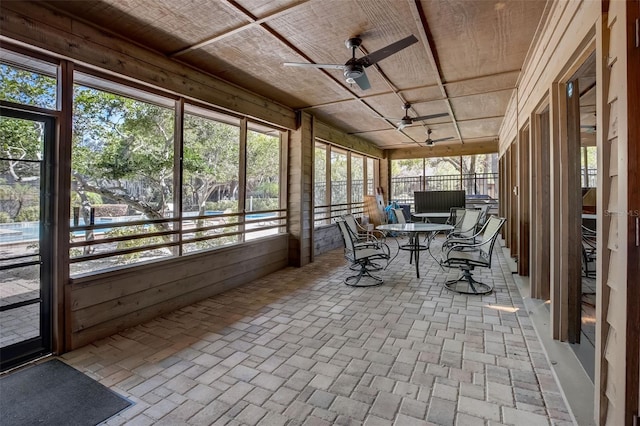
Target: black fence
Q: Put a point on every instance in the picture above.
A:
(475, 185)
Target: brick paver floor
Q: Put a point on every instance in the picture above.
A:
(299, 347)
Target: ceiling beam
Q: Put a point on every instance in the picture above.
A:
(252, 21)
(486, 147)
(492, 117)
(424, 101)
(425, 34)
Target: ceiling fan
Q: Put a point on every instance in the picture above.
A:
(407, 120)
(353, 70)
(430, 142)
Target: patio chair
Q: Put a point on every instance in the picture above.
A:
(589, 253)
(362, 234)
(399, 215)
(467, 226)
(467, 256)
(362, 257)
(484, 212)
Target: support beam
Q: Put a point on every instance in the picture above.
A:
(421, 20)
(488, 147)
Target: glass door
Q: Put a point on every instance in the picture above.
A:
(25, 240)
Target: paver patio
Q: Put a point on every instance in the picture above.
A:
(298, 347)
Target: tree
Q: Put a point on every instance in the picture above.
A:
(210, 160)
(122, 151)
(263, 169)
(21, 143)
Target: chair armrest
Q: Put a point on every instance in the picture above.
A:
(457, 247)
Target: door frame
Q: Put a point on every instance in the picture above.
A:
(632, 391)
(35, 347)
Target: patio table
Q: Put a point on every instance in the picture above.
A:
(432, 215)
(415, 229)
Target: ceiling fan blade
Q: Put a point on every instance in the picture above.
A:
(430, 116)
(442, 139)
(363, 82)
(387, 51)
(401, 126)
(307, 65)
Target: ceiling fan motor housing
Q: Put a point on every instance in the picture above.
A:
(353, 70)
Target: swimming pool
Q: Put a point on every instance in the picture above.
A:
(29, 231)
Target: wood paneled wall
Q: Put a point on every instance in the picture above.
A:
(104, 304)
(562, 45)
(300, 192)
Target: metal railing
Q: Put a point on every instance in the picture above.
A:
(476, 185)
(325, 215)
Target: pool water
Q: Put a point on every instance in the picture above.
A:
(30, 231)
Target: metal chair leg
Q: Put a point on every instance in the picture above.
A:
(466, 284)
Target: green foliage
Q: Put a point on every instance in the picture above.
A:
(28, 214)
(210, 159)
(93, 198)
(26, 87)
(133, 243)
(5, 218)
(265, 204)
(222, 205)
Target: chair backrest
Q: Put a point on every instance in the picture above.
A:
(455, 218)
(484, 211)
(469, 222)
(352, 224)
(347, 237)
(399, 214)
(490, 234)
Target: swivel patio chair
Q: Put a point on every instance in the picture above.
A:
(467, 255)
(362, 234)
(363, 258)
(467, 226)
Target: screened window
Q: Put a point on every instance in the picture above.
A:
(338, 177)
(357, 179)
(140, 191)
(321, 200)
(210, 170)
(262, 202)
(352, 176)
(122, 180)
(27, 81)
(370, 176)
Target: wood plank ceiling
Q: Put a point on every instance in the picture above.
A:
(466, 63)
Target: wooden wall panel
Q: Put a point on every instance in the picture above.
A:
(300, 192)
(607, 162)
(540, 207)
(108, 303)
(514, 196)
(443, 150)
(614, 346)
(327, 133)
(570, 213)
(524, 200)
(569, 24)
(632, 356)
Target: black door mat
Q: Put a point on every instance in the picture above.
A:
(53, 393)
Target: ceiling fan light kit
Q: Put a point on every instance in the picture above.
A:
(407, 120)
